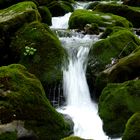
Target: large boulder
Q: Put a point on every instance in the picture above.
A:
(116, 105)
(60, 8)
(11, 19)
(125, 69)
(38, 48)
(80, 18)
(130, 13)
(16, 15)
(116, 43)
(22, 98)
(46, 15)
(132, 129)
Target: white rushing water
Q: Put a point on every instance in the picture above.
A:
(79, 106)
(60, 22)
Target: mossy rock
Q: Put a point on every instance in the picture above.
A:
(125, 69)
(72, 138)
(38, 48)
(11, 19)
(45, 15)
(22, 97)
(130, 13)
(60, 8)
(132, 129)
(116, 105)
(16, 15)
(80, 18)
(117, 43)
(8, 136)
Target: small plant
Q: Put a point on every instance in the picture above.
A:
(29, 51)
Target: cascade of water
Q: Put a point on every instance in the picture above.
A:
(78, 102)
(60, 22)
(84, 112)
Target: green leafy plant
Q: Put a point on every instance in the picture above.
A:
(29, 51)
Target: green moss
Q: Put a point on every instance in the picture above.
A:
(117, 103)
(80, 18)
(23, 95)
(8, 136)
(120, 42)
(45, 15)
(15, 16)
(59, 8)
(132, 130)
(126, 69)
(130, 13)
(11, 19)
(72, 138)
(47, 60)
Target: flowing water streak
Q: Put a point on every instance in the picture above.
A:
(60, 22)
(79, 106)
(84, 112)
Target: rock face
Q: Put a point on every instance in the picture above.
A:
(14, 17)
(116, 105)
(80, 18)
(130, 13)
(37, 47)
(126, 69)
(22, 98)
(116, 43)
(60, 8)
(11, 19)
(132, 128)
(46, 15)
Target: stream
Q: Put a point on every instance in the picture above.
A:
(79, 106)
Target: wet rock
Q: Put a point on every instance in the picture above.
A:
(117, 104)
(80, 18)
(125, 69)
(27, 103)
(132, 128)
(116, 43)
(38, 48)
(11, 19)
(130, 13)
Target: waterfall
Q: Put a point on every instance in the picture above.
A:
(57, 21)
(79, 106)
